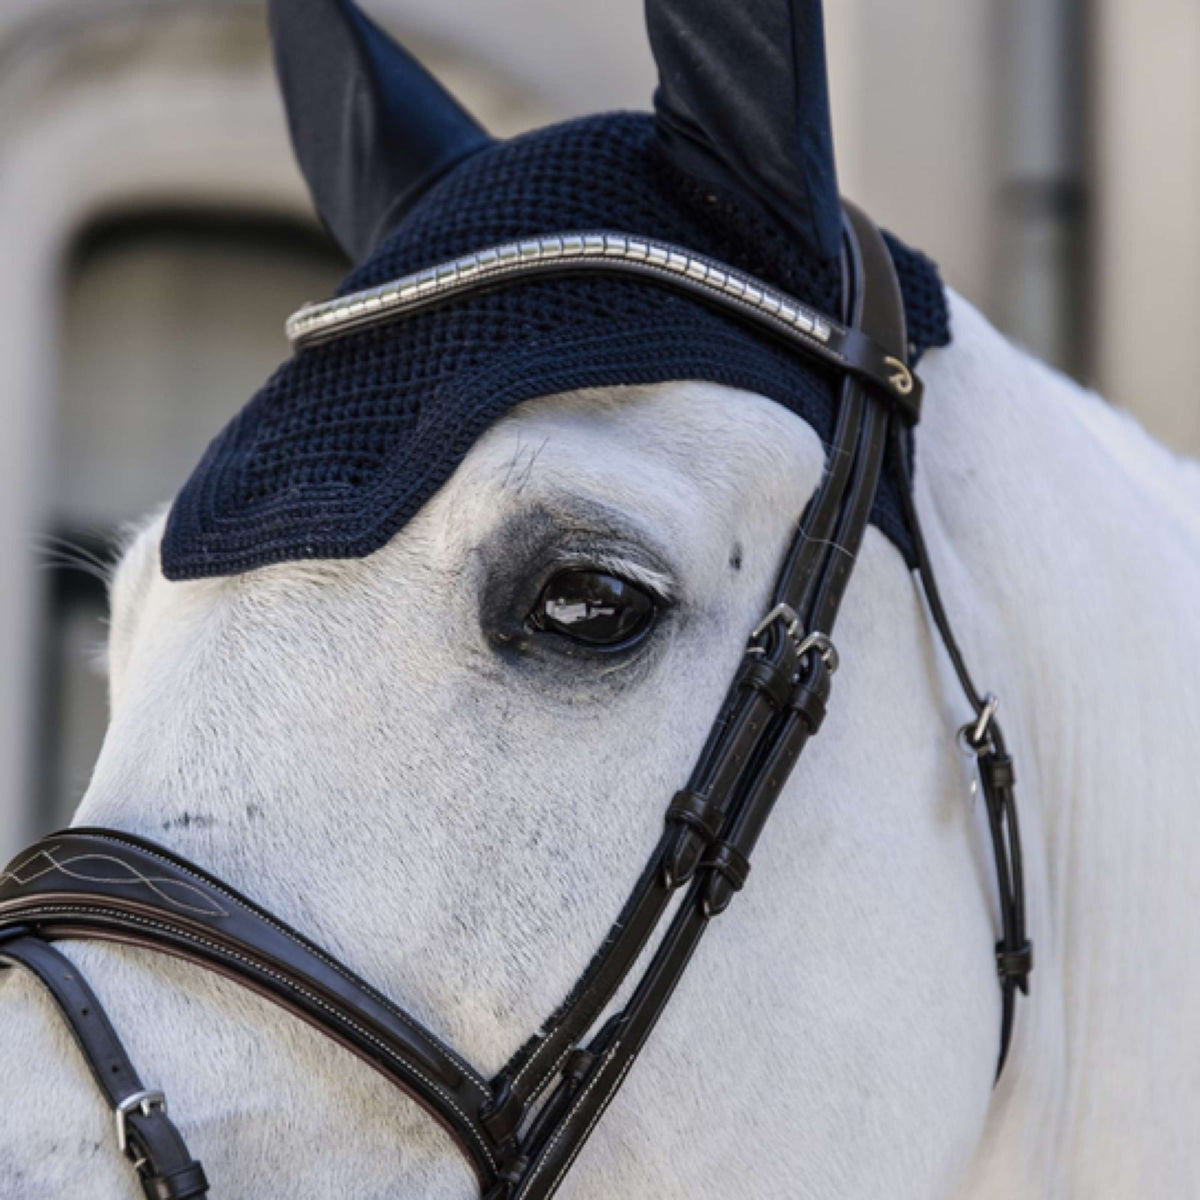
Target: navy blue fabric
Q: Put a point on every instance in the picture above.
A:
(743, 101)
(370, 126)
(347, 440)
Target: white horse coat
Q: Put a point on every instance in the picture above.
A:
(461, 822)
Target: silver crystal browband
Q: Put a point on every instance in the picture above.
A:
(616, 254)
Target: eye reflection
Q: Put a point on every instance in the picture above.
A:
(593, 607)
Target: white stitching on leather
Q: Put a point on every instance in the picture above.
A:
(562, 1058)
(587, 1133)
(469, 1071)
(67, 910)
(69, 868)
(567, 1121)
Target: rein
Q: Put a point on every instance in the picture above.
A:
(523, 1129)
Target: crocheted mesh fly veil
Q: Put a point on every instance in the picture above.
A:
(349, 438)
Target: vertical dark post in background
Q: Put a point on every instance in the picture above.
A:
(1043, 196)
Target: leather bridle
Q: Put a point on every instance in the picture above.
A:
(523, 1129)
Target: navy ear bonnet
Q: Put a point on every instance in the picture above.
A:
(349, 438)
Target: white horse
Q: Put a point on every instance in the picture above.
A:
(363, 748)
(341, 741)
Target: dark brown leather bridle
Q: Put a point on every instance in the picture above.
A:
(523, 1129)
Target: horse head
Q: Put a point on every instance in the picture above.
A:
(445, 618)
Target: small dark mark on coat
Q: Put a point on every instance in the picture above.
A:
(253, 812)
(185, 820)
(735, 556)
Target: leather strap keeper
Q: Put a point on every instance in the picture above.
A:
(774, 681)
(1015, 964)
(697, 812)
(727, 860)
(810, 704)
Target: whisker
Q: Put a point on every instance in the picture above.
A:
(54, 541)
(61, 553)
(63, 563)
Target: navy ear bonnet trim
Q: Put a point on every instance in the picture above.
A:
(348, 439)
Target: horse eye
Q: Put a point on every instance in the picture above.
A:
(593, 608)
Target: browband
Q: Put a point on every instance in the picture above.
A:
(841, 346)
(523, 1129)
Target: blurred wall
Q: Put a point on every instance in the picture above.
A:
(1147, 194)
(1045, 152)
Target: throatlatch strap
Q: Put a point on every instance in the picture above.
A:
(145, 1134)
(984, 739)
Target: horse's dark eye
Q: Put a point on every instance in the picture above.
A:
(593, 608)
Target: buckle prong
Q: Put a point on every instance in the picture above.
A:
(974, 739)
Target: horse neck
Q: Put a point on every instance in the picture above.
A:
(1068, 546)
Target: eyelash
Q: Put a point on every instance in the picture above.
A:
(654, 582)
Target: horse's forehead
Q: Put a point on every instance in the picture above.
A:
(716, 444)
(690, 464)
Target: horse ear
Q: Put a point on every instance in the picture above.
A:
(743, 102)
(371, 128)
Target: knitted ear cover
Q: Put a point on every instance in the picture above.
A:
(348, 439)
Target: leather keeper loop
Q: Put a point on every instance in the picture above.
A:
(729, 869)
(999, 771)
(700, 820)
(697, 812)
(774, 680)
(579, 1063)
(728, 861)
(503, 1116)
(178, 1185)
(1015, 964)
(512, 1172)
(683, 859)
(810, 704)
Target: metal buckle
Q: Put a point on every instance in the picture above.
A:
(147, 1101)
(781, 612)
(974, 739)
(823, 645)
(820, 642)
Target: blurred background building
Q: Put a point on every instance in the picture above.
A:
(154, 233)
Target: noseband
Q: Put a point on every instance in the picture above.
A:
(523, 1129)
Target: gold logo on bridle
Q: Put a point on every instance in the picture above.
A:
(901, 379)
